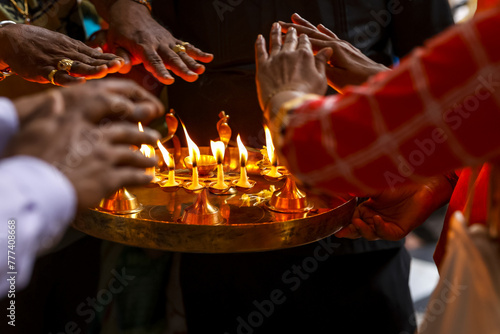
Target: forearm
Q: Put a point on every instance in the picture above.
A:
(107, 8)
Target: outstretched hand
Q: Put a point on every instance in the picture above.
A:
(289, 66)
(86, 131)
(33, 53)
(134, 33)
(347, 65)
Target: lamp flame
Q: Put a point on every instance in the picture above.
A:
(218, 148)
(194, 151)
(166, 156)
(243, 152)
(270, 147)
(147, 150)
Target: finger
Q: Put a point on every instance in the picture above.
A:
(291, 40)
(365, 230)
(304, 30)
(297, 19)
(80, 69)
(348, 232)
(124, 156)
(153, 63)
(387, 231)
(304, 43)
(129, 177)
(62, 78)
(191, 63)
(327, 31)
(322, 58)
(197, 54)
(94, 55)
(174, 62)
(133, 91)
(275, 39)
(124, 100)
(127, 133)
(261, 54)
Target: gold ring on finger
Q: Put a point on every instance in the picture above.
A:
(185, 43)
(179, 48)
(51, 76)
(65, 65)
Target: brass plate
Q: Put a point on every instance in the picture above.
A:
(244, 228)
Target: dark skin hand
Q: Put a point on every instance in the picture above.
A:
(289, 66)
(94, 155)
(347, 65)
(33, 52)
(392, 214)
(100, 101)
(134, 34)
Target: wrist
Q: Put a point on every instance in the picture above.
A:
(277, 99)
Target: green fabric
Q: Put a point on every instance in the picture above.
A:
(63, 16)
(141, 306)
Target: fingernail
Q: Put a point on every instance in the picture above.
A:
(276, 25)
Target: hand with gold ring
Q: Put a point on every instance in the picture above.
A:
(179, 48)
(132, 28)
(45, 56)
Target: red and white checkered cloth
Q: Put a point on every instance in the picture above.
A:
(438, 111)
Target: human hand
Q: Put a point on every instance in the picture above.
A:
(347, 65)
(33, 53)
(131, 28)
(95, 156)
(100, 101)
(290, 66)
(392, 214)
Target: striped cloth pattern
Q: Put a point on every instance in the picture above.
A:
(438, 111)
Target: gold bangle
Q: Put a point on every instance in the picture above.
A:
(145, 3)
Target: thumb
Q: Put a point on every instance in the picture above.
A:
(322, 58)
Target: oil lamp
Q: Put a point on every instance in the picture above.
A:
(149, 152)
(219, 186)
(121, 202)
(289, 198)
(243, 183)
(171, 183)
(271, 153)
(194, 155)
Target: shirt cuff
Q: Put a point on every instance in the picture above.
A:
(48, 190)
(9, 122)
(280, 122)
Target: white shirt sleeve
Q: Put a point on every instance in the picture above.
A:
(9, 122)
(36, 204)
